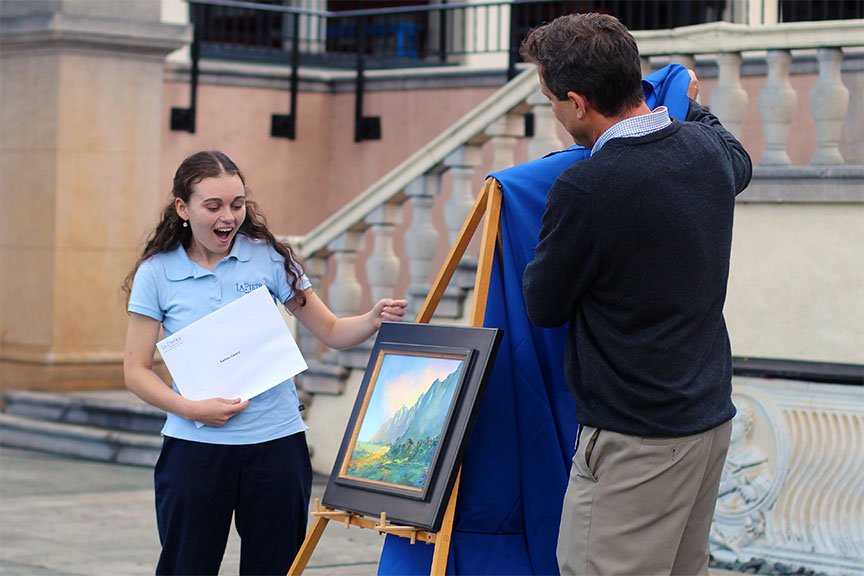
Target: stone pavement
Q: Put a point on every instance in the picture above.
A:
(75, 517)
(64, 516)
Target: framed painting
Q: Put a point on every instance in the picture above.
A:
(414, 411)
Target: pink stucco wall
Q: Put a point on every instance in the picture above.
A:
(300, 182)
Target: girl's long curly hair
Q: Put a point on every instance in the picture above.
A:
(170, 231)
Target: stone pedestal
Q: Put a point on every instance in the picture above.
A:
(80, 135)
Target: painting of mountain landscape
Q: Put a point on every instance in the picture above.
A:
(404, 419)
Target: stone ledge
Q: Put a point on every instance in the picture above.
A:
(843, 184)
(64, 31)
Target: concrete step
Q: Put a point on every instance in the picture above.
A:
(118, 410)
(81, 441)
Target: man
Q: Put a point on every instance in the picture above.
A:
(634, 254)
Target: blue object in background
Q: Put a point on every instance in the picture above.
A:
(517, 460)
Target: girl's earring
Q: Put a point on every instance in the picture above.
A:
(185, 224)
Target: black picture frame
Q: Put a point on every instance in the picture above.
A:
(405, 439)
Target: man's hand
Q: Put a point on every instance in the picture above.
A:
(693, 89)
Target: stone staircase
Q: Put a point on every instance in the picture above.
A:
(110, 426)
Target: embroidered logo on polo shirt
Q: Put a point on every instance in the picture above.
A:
(246, 287)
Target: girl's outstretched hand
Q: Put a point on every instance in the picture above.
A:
(389, 310)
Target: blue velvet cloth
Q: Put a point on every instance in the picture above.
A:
(517, 460)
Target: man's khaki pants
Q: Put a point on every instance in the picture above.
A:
(641, 506)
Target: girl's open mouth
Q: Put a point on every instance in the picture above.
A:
(223, 233)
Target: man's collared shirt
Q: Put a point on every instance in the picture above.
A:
(633, 127)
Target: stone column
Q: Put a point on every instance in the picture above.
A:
(81, 120)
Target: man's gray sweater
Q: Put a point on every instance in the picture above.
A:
(634, 254)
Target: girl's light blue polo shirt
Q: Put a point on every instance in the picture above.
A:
(172, 289)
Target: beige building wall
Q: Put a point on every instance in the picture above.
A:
(796, 286)
(80, 153)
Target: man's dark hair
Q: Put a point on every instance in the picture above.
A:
(591, 54)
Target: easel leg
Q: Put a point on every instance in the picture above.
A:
(442, 540)
(308, 546)
(490, 201)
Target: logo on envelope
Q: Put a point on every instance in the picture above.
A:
(170, 343)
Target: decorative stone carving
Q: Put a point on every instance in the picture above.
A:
(748, 477)
(792, 490)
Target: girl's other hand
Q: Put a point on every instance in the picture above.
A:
(215, 411)
(389, 310)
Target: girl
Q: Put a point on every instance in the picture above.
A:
(250, 459)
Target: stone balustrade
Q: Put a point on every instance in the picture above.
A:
(410, 205)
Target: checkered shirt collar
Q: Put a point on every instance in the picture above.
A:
(635, 126)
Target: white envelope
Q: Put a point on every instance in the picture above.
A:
(238, 351)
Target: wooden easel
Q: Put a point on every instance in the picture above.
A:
(488, 203)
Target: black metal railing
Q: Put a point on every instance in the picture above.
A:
(412, 33)
(818, 10)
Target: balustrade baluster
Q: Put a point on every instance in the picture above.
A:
(310, 346)
(461, 166)
(729, 99)
(345, 293)
(325, 375)
(645, 63)
(382, 266)
(777, 103)
(545, 137)
(504, 135)
(421, 238)
(829, 102)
